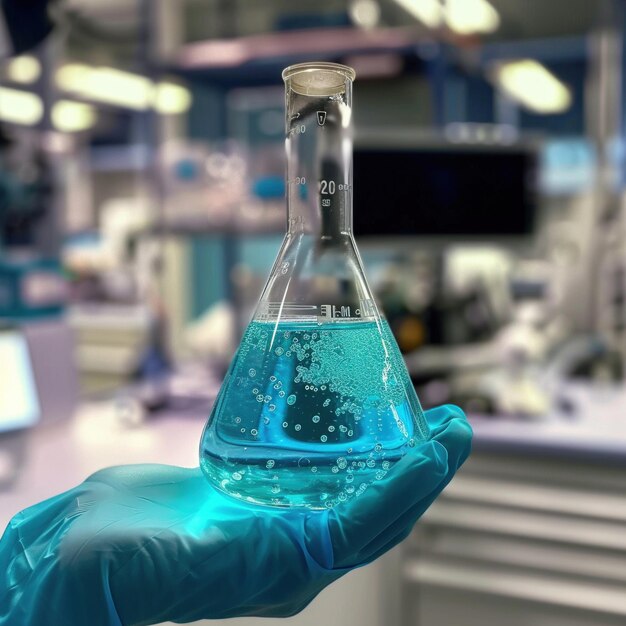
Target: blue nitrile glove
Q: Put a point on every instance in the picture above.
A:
(144, 544)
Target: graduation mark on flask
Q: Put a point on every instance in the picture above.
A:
(298, 129)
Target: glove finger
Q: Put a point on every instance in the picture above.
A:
(455, 438)
(448, 425)
(362, 526)
(357, 523)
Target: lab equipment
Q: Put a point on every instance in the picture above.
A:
(31, 287)
(317, 403)
(19, 401)
(146, 544)
(444, 189)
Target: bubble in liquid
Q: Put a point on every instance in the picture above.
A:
(298, 426)
(273, 378)
(331, 429)
(267, 399)
(326, 402)
(350, 489)
(350, 433)
(343, 429)
(342, 497)
(380, 475)
(279, 351)
(349, 478)
(252, 372)
(275, 488)
(260, 398)
(236, 476)
(316, 419)
(342, 463)
(386, 465)
(237, 420)
(272, 407)
(254, 432)
(371, 463)
(281, 394)
(314, 469)
(243, 430)
(291, 399)
(334, 469)
(323, 438)
(378, 447)
(285, 424)
(266, 420)
(411, 442)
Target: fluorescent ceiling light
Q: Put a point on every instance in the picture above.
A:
(20, 107)
(364, 13)
(467, 17)
(171, 99)
(72, 117)
(429, 12)
(534, 86)
(107, 85)
(23, 69)
(124, 89)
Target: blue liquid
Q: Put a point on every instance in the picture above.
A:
(311, 414)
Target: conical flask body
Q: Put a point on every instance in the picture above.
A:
(317, 403)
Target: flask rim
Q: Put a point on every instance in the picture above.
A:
(312, 66)
(318, 78)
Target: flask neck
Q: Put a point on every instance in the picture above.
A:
(319, 158)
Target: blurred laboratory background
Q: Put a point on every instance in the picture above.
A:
(142, 203)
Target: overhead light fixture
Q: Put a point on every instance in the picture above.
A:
(364, 13)
(429, 12)
(20, 107)
(468, 17)
(171, 98)
(124, 89)
(24, 69)
(107, 85)
(73, 117)
(465, 17)
(533, 85)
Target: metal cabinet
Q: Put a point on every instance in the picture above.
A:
(521, 540)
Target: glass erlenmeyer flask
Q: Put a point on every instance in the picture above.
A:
(317, 403)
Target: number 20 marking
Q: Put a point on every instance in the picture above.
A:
(327, 187)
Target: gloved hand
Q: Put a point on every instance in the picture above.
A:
(138, 545)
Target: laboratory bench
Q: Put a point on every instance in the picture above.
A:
(531, 531)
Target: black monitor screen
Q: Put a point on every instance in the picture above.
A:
(429, 192)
